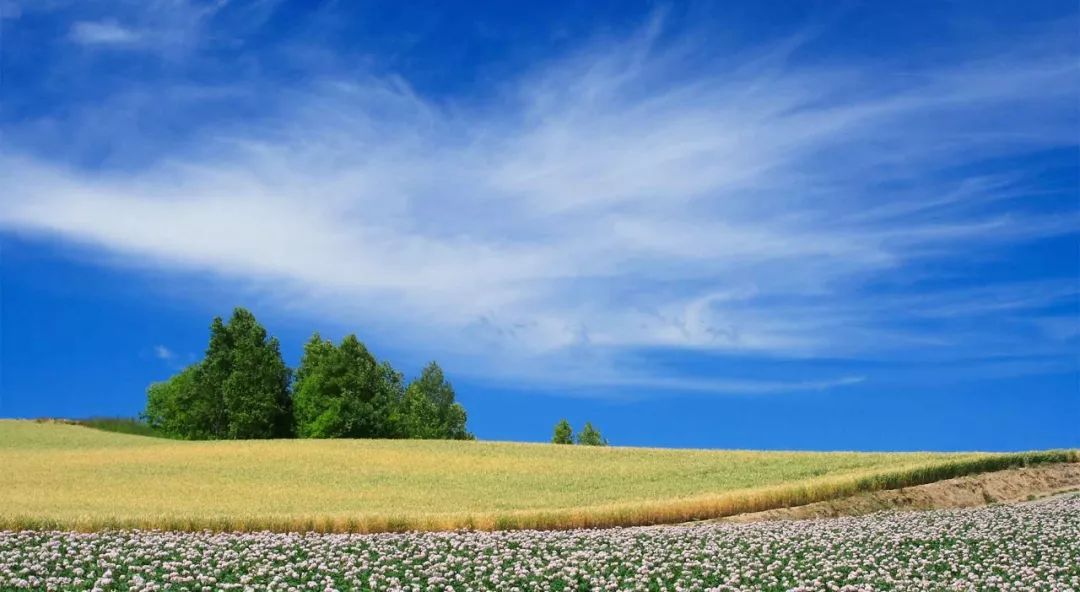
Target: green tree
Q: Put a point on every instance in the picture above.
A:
(391, 399)
(590, 436)
(314, 409)
(243, 370)
(174, 409)
(429, 411)
(239, 390)
(343, 392)
(564, 434)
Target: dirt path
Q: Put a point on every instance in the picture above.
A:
(1010, 485)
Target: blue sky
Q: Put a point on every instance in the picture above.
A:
(819, 226)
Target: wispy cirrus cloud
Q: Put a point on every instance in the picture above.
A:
(174, 29)
(104, 33)
(635, 195)
(164, 353)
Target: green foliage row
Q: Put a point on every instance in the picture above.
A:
(120, 425)
(242, 389)
(589, 436)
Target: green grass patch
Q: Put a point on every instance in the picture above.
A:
(121, 425)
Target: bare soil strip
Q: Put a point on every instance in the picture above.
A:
(1009, 485)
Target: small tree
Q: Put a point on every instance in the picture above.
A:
(390, 399)
(343, 392)
(239, 390)
(564, 434)
(174, 409)
(243, 372)
(428, 410)
(590, 436)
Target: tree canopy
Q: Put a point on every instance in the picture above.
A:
(244, 372)
(239, 390)
(564, 434)
(429, 409)
(590, 436)
(174, 408)
(243, 389)
(344, 392)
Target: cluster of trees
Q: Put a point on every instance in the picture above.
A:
(588, 436)
(243, 389)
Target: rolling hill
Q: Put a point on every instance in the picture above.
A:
(66, 476)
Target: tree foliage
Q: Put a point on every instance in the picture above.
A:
(429, 410)
(590, 436)
(173, 407)
(244, 370)
(564, 434)
(239, 390)
(344, 392)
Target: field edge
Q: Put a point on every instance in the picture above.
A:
(1007, 486)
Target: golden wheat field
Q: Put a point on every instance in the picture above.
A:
(69, 476)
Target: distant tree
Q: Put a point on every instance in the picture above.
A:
(564, 434)
(391, 398)
(343, 392)
(239, 390)
(243, 370)
(210, 375)
(429, 411)
(173, 407)
(590, 436)
(316, 412)
(419, 418)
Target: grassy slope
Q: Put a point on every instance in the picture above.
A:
(58, 475)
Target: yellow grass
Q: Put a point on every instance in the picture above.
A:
(65, 476)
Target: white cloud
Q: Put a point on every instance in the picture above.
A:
(103, 33)
(172, 29)
(164, 353)
(622, 199)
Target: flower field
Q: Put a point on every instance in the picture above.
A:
(1032, 546)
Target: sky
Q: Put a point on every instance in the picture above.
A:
(816, 225)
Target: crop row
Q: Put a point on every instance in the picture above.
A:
(1032, 546)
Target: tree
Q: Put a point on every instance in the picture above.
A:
(428, 410)
(314, 413)
(243, 370)
(173, 408)
(239, 390)
(343, 392)
(590, 436)
(392, 395)
(564, 434)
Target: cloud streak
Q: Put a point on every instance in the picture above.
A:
(163, 353)
(633, 196)
(103, 33)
